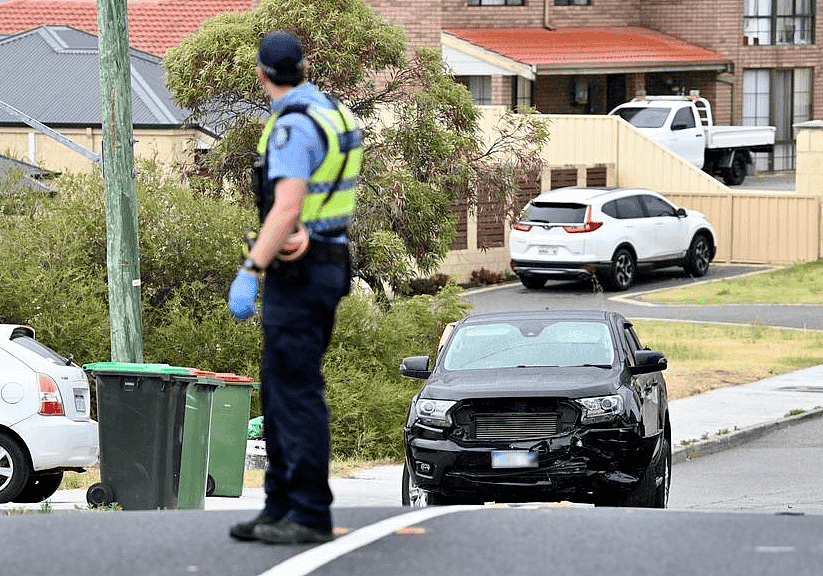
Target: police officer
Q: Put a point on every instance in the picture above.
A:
(310, 156)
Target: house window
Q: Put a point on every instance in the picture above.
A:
(496, 2)
(779, 98)
(778, 22)
(481, 89)
(522, 93)
(572, 2)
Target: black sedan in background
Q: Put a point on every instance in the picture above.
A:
(539, 406)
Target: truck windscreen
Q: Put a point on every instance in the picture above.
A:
(644, 117)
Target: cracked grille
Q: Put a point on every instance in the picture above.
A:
(516, 426)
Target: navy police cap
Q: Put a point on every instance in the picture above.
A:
(280, 56)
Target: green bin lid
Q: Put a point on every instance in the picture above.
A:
(134, 367)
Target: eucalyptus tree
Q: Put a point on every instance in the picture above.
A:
(423, 149)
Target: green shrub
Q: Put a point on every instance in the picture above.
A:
(484, 276)
(54, 278)
(367, 397)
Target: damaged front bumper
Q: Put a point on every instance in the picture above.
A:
(584, 465)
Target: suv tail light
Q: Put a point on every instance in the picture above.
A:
(587, 226)
(51, 403)
(521, 227)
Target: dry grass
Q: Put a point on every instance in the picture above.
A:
(703, 357)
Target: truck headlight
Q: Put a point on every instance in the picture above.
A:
(600, 408)
(433, 412)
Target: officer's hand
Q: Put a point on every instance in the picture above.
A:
(242, 295)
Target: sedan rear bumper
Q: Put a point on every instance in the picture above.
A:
(58, 442)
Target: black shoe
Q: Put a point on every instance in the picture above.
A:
(245, 530)
(289, 532)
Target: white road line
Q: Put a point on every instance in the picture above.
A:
(309, 560)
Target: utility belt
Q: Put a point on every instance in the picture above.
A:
(327, 253)
(295, 272)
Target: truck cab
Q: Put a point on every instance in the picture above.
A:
(673, 124)
(684, 125)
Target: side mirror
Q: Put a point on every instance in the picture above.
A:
(647, 361)
(681, 213)
(415, 367)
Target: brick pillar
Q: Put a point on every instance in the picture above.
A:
(809, 171)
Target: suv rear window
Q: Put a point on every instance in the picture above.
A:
(555, 212)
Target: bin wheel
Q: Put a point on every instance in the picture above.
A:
(211, 485)
(99, 495)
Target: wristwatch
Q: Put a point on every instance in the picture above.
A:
(248, 263)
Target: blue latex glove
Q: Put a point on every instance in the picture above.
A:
(242, 295)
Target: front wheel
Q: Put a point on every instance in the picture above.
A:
(652, 491)
(14, 469)
(411, 494)
(699, 256)
(623, 269)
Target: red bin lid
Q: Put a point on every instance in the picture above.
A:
(229, 377)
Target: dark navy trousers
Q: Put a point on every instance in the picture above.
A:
(299, 304)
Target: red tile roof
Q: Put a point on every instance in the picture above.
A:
(587, 45)
(154, 25)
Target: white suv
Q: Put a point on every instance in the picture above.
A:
(45, 423)
(579, 231)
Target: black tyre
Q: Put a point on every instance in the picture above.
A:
(412, 495)
(14, 469)
(623, 269)
(39, 487)
(736, 173)
(699, 256)
(533, 282)
(653, 489)
(211, 485)
(99, 495)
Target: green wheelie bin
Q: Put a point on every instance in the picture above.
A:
(194, 458)
(229, 435)
(141, 414)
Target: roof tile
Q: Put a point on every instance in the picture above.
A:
(591, 45)
(154, 25)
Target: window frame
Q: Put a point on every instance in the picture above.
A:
(495, 3)
(768, 13)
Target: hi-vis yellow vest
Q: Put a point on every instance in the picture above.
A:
(329, 201)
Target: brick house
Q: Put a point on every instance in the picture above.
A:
(757, 61)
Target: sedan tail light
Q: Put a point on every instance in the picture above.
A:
(587, 226)
(51, 402)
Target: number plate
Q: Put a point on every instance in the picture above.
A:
(514, 459)
(547, 250)
(79, 400)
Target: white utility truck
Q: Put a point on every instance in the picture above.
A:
(684, 125)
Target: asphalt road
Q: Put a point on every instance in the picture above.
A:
(778, 473)
(579, 294)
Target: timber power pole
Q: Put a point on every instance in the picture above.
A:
(118, 173)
